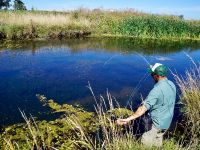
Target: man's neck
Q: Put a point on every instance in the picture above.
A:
(161, 78)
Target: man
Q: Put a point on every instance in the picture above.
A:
(160, 106)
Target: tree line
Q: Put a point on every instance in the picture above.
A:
(17, 5)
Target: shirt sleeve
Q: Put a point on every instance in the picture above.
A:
(151, 98)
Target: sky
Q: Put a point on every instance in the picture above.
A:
(189, 8)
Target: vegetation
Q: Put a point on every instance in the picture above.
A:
(158, 27)
(4, 4)
(20, 24)
(190, 89)
(19, 5)
(76, 128)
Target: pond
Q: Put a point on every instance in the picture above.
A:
(61, 70)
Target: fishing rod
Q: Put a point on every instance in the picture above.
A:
(143, 78)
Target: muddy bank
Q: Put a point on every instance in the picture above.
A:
(67, 34)
(51, 35)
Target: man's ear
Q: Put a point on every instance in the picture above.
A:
(156, 77)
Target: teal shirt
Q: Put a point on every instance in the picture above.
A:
(160, 103)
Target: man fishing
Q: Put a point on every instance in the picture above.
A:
(160, 106)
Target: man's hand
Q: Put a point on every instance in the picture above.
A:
(122, 121)
(140, 111)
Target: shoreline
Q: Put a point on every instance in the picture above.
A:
(87, 34)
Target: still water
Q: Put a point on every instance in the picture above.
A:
(61, 71)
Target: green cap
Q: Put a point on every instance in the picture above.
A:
(158, 69)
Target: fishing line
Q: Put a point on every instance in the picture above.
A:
(144, 77)
(143, 58)
(106, 62)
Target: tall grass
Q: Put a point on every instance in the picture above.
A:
(41, 19)
(190, 89)
(100, 22)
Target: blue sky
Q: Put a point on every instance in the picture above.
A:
(189, 8)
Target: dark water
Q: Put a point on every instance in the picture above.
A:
(61, 71)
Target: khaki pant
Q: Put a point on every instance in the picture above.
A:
(153, 137)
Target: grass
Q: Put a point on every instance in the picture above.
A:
(190, 89)
(158, 27)
(100, 23)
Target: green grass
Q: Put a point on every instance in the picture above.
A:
(158, 27)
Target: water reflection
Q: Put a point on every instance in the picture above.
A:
(128, 45)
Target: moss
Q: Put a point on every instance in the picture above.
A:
(58, 133)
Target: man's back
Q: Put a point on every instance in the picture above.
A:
(160, 103)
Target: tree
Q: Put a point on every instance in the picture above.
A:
(4, 4)
(19, 5)
(32, 8)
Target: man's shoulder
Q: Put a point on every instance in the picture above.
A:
(171, 83)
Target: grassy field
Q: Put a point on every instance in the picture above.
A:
(33, 24)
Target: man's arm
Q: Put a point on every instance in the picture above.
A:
(140, 111)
